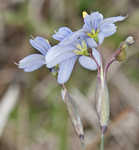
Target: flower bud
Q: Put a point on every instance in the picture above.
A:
(123, 46)
(130, 40)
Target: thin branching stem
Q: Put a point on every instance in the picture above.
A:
(111, 60)
(95, 61)
(108, 65)
(102, 142)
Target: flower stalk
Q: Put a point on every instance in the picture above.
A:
(102, 142)
(103, 105)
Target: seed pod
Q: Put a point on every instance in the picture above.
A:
(102, 99)
(73, 113)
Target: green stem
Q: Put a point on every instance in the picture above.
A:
(102, 142)
(83, 145)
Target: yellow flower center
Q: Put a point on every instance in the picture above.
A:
(81, 49)
(94, 34)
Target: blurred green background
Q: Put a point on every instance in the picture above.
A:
(35, 117)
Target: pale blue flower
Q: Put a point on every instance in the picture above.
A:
(35, 61)
(66, 37)
(62, 34)
(96, 28)
(66, 60)
(66, 55)
(93, 32)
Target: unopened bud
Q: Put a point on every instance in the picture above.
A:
(130, 40)
(121, 56)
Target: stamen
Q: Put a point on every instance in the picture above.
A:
(94, 34)
(84, 46)
(84, 13)
(81, 49)
(79, 46)
(77, 52)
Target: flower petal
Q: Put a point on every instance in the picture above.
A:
(62, 33)
(92, 21)
(74, 37)
(31, 62)
(65, 70)
(87, 63)
(60, 58)
(41, 44)
(97, 56)
(97, 18)
(91, 42)
(57, 51)
(100, 38)
(114, 19)
(87, 24)
(107, 29)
